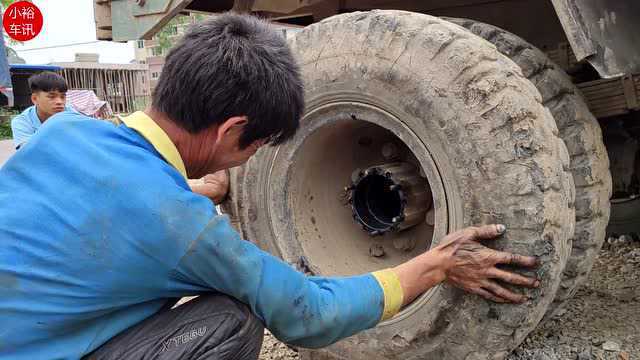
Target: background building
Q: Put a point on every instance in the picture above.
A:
(122, 85)
(152, 52)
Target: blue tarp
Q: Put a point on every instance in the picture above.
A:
(34, 67)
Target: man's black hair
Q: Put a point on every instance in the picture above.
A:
(47, 81)
(232, 65)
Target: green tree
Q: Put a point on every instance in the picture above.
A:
(9, 41)
(167, 35)
(6, 3)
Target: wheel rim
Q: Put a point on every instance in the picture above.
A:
(315, 227)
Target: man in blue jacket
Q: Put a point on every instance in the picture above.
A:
(48, 94)
(99, 228)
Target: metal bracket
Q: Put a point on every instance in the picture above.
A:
(630, 93)
(143, 7)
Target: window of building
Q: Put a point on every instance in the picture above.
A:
(140, 44)
(155, 75)
(156, 51)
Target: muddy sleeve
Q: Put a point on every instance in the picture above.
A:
(305, 311)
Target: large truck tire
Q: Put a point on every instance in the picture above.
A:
(582, 134)
(390, 87)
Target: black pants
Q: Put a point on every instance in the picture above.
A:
(211, 326)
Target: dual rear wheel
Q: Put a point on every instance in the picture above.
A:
(416, 127)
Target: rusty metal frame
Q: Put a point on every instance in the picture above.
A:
(603, 32)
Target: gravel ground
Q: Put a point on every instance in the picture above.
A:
(601, 322)
(272, 349)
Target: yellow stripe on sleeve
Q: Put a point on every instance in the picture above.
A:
(393, 294)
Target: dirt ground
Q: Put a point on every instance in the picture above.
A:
(602, 321)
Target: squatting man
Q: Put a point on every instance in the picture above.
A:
(101, 232)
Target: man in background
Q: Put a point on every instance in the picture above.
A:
(48, 94)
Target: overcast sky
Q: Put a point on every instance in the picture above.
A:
(68, 22)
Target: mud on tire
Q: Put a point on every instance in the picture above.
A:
(581, 133)
(496, 154)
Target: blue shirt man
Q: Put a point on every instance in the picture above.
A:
(48, 94)
(26, 124)
(114, 230)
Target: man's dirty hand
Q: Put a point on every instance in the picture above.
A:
(214, 186)
(472, 267)
(461, 260)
